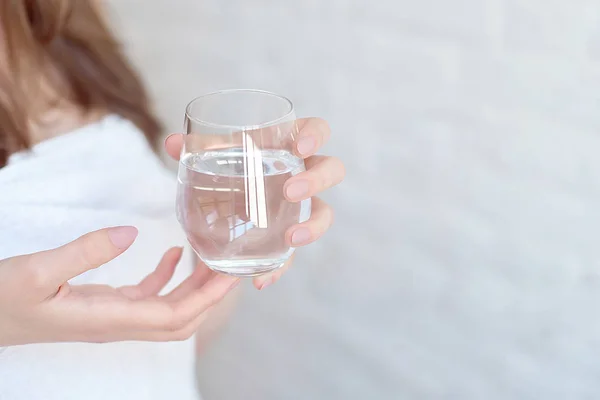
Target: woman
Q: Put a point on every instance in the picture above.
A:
(76, 134)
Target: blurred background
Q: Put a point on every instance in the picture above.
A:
(464, 261)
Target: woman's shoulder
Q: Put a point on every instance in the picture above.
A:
(105, 164)
(109, 134)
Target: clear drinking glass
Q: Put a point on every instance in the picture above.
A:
(237, 155)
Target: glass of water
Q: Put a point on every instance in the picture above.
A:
(237, 155)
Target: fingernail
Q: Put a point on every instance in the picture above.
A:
(300, 236)
(122, 236)
(306, 145)
(235, 284)
(297, 190)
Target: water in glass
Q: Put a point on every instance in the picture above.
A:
(231, 204)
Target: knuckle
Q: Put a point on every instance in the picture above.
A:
(323, 126)
(326, 181)
(333, 174)
(317, 127)
(323, 219)
(338, 166)
(329, 216)
(88, 252)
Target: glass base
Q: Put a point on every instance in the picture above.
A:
(244, 268)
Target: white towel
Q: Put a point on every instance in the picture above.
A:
(104, 174)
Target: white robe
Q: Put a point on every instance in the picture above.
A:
(101, 175)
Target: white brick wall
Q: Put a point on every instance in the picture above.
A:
(464, 262)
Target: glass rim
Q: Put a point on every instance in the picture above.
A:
(188, 113)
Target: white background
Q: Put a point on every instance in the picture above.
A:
(464, 262)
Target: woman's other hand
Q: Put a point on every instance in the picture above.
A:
(322, 173)
(38, 305)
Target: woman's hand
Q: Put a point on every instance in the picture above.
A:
(322, 173)
(37, 305)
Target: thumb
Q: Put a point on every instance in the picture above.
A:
(57, 266)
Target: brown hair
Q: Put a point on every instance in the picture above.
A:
(67, 45)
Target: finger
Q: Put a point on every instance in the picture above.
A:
(321, 219)
(53, 268)
(179, 313)
(152, 284)
(173, 145)
(182, 334)
(313, 134)
(206, 296)
(198, 278)
(263, 281)
(321, 174)
(159, 315)
(188, 330)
